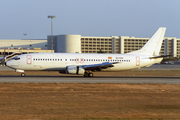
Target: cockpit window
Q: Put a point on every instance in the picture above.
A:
(17, 58)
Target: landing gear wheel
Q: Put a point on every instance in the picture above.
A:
(90, 75)
(22, 75)
(86, 74)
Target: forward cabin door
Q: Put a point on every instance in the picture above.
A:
(137, 61)
(28, 59)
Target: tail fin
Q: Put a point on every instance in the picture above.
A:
(153, 46)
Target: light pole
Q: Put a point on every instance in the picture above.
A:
(51, 30)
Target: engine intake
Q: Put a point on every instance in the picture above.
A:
(75, 70)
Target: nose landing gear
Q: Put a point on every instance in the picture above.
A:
(22, 74)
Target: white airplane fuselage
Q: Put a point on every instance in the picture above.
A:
(59, 61)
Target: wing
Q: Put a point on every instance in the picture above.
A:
(98, 67)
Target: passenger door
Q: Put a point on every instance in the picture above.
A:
(28, 59)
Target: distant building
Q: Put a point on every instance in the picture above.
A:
(23, 46)
(112, 44)
(87, 44)
(65, 43)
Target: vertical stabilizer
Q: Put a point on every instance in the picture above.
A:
(153, 46)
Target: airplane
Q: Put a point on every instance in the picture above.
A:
(85, 64)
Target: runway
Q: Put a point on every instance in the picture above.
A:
(96, 79)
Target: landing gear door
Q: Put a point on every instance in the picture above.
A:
(28, 59)
(137, 61)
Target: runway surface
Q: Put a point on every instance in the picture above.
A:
(96, 79)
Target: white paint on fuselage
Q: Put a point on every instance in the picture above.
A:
(59, 61)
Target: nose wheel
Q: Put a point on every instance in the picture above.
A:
(22, 74)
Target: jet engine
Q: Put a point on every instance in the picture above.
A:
(75, 70)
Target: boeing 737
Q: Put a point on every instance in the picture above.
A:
(85, 64)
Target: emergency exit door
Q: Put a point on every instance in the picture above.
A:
(137, 61)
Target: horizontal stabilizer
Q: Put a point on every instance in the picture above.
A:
(161, 56)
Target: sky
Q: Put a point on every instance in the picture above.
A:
(101, 18)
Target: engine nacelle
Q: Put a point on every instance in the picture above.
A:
(75, 70)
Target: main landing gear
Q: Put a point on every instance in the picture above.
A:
(88, 74)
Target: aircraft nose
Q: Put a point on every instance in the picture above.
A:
(7, 63)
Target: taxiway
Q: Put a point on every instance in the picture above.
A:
(96, 79)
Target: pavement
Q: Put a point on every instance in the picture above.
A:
(4, 68)
(162, 67)
(96, 79)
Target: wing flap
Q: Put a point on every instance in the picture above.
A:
(98, 67)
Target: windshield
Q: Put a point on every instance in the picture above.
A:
(16, 58)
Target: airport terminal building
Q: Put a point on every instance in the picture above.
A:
(8, 47)
(86, 44)
(112, 44)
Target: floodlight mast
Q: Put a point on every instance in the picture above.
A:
(51, 30)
